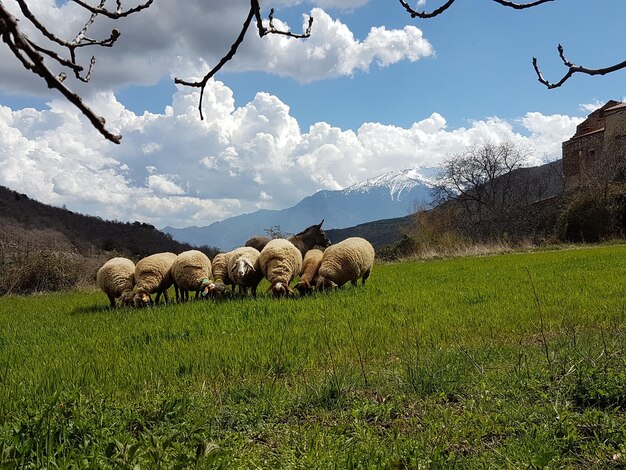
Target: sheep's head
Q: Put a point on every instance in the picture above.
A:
(304, 287)
(241, 268)
(281, 289)
(126, 299)
(216, 290)
(323, 283)
(142, 299)
(205, 286)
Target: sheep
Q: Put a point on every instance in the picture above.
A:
(244, 269)
(304, 240)
(116, 278)
(280, 262)
(310, 267)
(348, 260)
(221, 279)
(191, 270)
(153, 274)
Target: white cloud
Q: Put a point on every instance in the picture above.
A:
(173, 169)
(170, 40)
(160, 184)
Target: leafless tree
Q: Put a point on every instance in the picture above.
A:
(48, 51)
(571, 67)
(494, 193)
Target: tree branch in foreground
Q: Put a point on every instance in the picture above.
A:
(32, 54)
(255, 12)
(572, 69)
(448, 4)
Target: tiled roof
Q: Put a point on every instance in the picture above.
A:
(619, 106)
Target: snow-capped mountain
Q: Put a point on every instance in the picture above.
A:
(399, 183)
(394, 194)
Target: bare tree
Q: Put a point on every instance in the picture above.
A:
(487, 183)
(40, 55)
(571, 67)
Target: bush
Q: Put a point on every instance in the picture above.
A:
(47, 271)
(593, 214)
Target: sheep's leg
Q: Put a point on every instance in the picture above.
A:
(353, 283)
(111, 300)
(197, 294)
(366, 274)
(165, 297)
(158, 297)
(254, 291)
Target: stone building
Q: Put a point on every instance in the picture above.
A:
(597, 151)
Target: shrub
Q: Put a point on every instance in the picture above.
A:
(47, 271)
(593, 214)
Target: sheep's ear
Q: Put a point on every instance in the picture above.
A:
(233, 268)
(320, 224)
(249, 263)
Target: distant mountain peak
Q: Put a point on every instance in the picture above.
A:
(399, 183)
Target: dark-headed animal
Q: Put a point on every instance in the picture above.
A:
(307, 239)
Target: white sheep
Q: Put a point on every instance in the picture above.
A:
(191, 270)
(349, 260)
(310, 267)
(153, 274)
(280, 262)
(116, 278)
(244, 269)
(221, 279)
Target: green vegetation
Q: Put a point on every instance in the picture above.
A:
(511, 361)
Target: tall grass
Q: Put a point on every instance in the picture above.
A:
(507, 361)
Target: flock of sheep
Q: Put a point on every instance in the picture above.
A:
(307, 255)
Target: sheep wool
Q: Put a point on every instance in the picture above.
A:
(310, 267)
(244, 269)
(221, 279)
(153, 274)
(116, 278)
(191, 271)
(280, 262)
(349, 260)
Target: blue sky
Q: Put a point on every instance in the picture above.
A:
(282, 125)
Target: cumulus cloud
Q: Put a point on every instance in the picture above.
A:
(173, 169)
(170, 39)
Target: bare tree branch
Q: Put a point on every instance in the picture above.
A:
(448, 4)
(572, 69)
(255, 12)
(32, 54)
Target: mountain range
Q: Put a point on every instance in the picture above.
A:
(394, 194)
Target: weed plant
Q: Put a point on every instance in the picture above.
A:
(510, 361)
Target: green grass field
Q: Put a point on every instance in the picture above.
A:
(511, 361)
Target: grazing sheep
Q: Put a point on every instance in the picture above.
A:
(221, 279)
(116, 278)
(280, 262)
(244, 269)
(304, 241)
(346, 261)
(153, 274)
(310, 267)
(191, 270)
